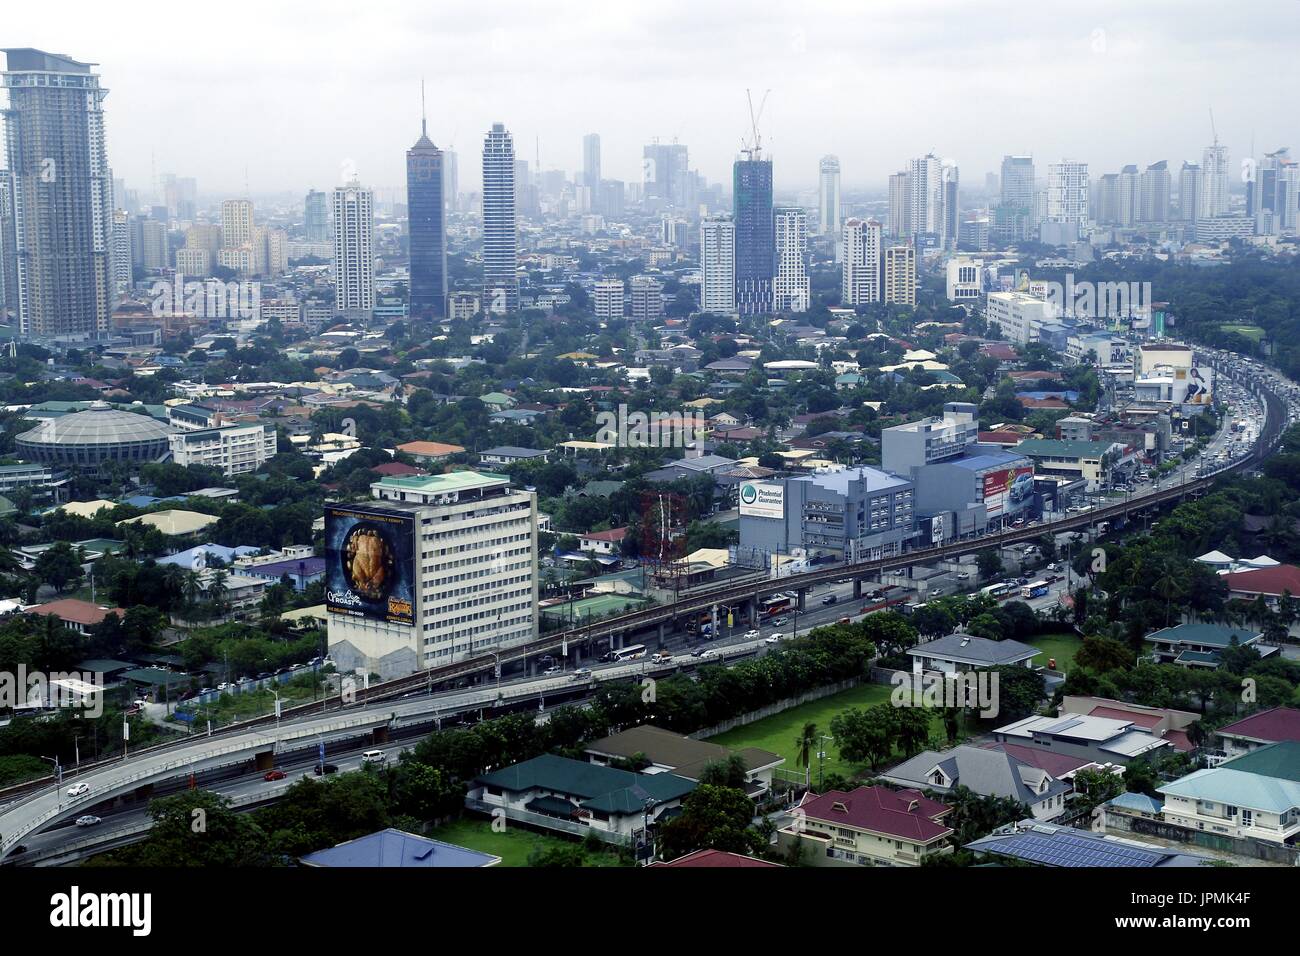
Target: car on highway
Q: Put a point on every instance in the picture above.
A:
(780, 620)
(751, 635)
(374, 756)
(705, 652)
(323, 768)
(551, 671)
(89, 820)
(272, 775)
(829, 599)
(774, 639)
(963, 576)
(582, 673)
(78, 789)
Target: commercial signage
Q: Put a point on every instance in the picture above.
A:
(370, 563)
(762, 499)
(1008, 489)
(1196, 385)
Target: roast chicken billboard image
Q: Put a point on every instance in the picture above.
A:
(370, 564)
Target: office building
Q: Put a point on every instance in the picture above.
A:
(456, 574)
(1018, 316)
(1214, 173)
(665, 174)
(861, 269)
(426, 212)
(828, 196)
(316, 216)
(755, 235)
(718, 265)
(1017, 187)
(61, 239)
(500, 226)
(1066, 213)
(792, 290)
(235, 449)
(964, 279)
(354, 244)
(236, 223)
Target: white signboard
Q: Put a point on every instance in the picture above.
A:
(762, 499)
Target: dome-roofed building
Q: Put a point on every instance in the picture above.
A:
(101, 433)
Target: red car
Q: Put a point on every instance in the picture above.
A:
(274, 775)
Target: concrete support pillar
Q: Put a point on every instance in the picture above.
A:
(803, 593)
(857, 589)
(659, 635)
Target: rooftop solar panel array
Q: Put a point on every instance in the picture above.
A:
(1063, 849)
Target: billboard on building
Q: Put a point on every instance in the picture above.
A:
(1194, 386)
(370, 563)
(762, 499)
(1008, 490)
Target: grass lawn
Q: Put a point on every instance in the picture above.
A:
(513, 845)
(1061, 647)
(1252, 332)
(779, 732)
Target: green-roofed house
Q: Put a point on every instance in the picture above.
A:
(578, 798)
(497, 401)
(1089, 460)
(1202, 645)
(1254, 796)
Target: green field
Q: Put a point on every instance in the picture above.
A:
(513, 845)
(1252, 332)
(1061, 647)
(779, 732)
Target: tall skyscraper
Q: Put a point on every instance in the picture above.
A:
(500, 227)
(926, 198)
(591, 161)
(1189, 191)
(665, 174)
(755, 235)
(828, 196)
(900, 204)
(121, 252)
(718, 265)
(236, 223)
(1104, 200)
(451, 179)
(792, 290)
(861, 278)
(1154, 193)
(1129, 196)
(61, 195)
(1066, 213)
(316, 219)
(354, 248)
(1014, 215)
(1214, 173)
(951, 219)
(426, 216)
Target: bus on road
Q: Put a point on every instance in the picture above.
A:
(633, 652)
(1034, 589)
(776, 604)
(1002, 589)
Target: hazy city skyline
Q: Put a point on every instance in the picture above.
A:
(289, 116)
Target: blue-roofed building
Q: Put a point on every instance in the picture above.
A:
(391, 848)
(852, 514)
(1255, 796)
(1047, 844)
(201, 556)
(300, 571)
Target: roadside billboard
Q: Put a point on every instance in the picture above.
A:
(370, 563)
(762, 499)
(1195, 384)
(1008, 490)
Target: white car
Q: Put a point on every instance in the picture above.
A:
(89, 820)
(774, 638)
(751, 635)
(78, 789)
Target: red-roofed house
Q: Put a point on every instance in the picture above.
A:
(871, 826)
(999, 350)
(79, 616)
(1257, 730)
(397, 469)
(715, 858)
(1048, 403)
(1166, 723)
(430, 450)
(1272, 583)
(1003, 438)
(603, 542)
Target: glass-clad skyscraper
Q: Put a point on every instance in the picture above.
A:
(755, 236)
(428, 233)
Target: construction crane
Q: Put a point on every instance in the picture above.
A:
(753, 148)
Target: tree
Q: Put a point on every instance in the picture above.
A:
(988, 564)
(1101, 654)
(866, 736)
(805, 745)
(194, 829)
(716, 818)
(58, 565)
(730, 771)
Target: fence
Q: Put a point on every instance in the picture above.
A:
(1224, 843)
(771, 709)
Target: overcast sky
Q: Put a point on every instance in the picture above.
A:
(291, 94)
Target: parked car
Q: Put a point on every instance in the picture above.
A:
(273, 775)
(89, 820)
(78, 789)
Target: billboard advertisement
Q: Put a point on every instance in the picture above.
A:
(1008, 490)
(1195, 384)
(370, 563)
(762, 499)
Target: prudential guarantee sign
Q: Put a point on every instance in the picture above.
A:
(762, 499)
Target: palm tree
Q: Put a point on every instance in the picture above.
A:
(805, 745)
(192, 587)
(217, 589)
